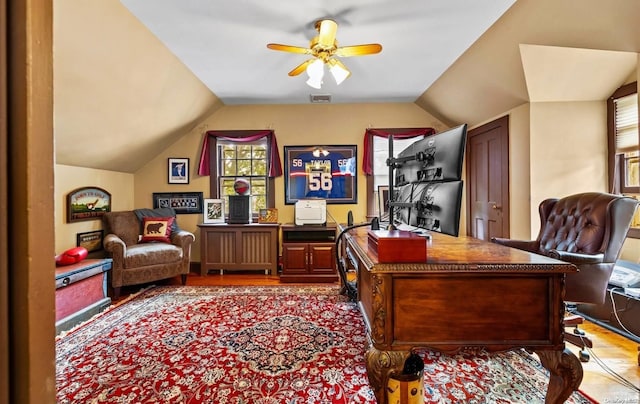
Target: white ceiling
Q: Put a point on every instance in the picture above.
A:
(224, 43)
(123, 92)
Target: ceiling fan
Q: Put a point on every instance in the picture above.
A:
(325, 50)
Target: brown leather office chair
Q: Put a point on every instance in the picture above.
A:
(587, 230)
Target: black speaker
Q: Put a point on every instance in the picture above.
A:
(239, 209)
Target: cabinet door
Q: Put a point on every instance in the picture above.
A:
(322, 258)
(219, 247)
(295, 258)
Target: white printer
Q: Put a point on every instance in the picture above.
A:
(311, 211)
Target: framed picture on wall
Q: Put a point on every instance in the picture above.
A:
(91, 240)
(178, 170)
(182, 202)
(326, 172)
(87, 203)
(213, 211)
(383, 202)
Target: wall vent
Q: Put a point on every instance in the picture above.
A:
(320, 98)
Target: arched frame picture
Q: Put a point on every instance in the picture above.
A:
(87, 203)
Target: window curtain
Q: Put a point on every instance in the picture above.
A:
(210, 142)
(367, 162)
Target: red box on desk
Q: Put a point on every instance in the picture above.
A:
(397, 246)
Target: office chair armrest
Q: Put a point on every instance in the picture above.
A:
(526, 245)
(576, 258)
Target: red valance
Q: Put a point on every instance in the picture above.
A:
(367, 161)
(210, 142)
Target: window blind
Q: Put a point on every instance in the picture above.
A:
(626, 123)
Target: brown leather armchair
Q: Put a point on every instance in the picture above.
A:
(587, 230)
(135, 262)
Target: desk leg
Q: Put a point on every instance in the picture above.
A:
(380, 364)
(565, 377)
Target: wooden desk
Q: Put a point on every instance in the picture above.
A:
(468, 295)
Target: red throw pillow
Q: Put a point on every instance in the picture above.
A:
(156, 229)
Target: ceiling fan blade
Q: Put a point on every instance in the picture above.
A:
(289, 48)
(327, 33)
(359, 50)
(301, 67)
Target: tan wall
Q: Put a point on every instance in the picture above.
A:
(556, 149)
(519, 172)
(68, 178)
(568, 150)
(560, 133)
(293, 125)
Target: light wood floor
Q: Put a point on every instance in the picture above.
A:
(610, 350)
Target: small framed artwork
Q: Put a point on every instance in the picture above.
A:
(87, 203)
(182, 202)
(178, 170)
(269, 215)
(91, 240)
(214, 211)
(383, 202)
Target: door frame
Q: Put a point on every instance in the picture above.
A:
(502, 122)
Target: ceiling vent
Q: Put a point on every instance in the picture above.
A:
(320, 98)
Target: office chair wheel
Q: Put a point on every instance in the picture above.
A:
(584, 355)
(578, 331)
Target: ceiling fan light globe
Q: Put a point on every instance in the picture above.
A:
(339, 73)
(315, 82)
(316, 69)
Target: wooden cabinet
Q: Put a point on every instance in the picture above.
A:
(308, 254)
(239, 247)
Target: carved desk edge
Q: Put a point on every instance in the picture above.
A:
(430, 266)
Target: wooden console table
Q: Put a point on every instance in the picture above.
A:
(239, 247)
(469, 294)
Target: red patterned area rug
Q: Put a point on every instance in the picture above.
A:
(260, 345)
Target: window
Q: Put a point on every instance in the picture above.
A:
(381, 154)
(624, 156)
(243, 161)
(248, 154)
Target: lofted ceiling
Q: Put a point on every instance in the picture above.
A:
(224, 43)
(134, 75)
